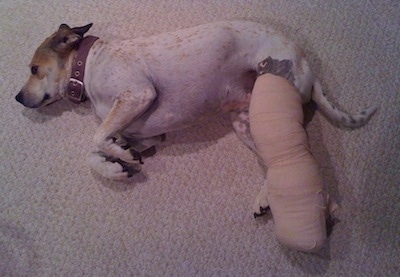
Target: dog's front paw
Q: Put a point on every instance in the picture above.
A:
(261, 206)
(114, 152)
(112, 168)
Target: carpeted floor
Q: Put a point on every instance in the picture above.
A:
(190, 212)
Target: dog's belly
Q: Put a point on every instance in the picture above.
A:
(172, 111)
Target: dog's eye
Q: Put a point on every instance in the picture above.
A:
(34, 69)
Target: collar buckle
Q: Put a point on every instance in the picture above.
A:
(76, 90)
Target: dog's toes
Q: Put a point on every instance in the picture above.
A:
(261, 205)
(112, 168)
(124, 169)
(261, 211)
(130, 169)
(128, 155)
(136, 155)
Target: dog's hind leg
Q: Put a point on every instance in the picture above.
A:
(241, 125)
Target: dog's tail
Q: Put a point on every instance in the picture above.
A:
(336, 116)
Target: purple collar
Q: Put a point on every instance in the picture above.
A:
(76, 87)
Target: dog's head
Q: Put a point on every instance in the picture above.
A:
(50, 67)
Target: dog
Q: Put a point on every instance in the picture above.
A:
(145, 87)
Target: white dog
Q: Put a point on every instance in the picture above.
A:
(143, 88)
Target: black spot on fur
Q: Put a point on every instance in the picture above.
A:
(283, 68)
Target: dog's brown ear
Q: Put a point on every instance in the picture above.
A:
(66, 39)
(82, 30)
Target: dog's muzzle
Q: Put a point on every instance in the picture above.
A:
(21, 98)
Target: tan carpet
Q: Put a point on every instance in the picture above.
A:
(190, 212)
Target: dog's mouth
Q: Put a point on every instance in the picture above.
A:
(46, 101)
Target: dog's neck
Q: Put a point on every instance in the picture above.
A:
(76, 87)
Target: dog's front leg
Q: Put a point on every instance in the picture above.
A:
(111, 160)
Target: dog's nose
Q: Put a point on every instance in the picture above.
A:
(20, 97)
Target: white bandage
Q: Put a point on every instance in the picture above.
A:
(295, 187)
